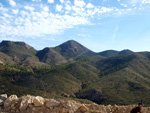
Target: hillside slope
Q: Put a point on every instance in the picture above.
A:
(123, 80)
(50, 56)
(71, 70)
(18, 53)
(111, 53)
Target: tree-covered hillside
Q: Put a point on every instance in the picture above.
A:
(120, 79)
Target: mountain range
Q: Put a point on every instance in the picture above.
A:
(71, 70)
(22, 53)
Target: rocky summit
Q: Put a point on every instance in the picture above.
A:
(38, 104)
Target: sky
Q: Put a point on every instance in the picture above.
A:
(97, 24)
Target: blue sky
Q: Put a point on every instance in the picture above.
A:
(97, 24)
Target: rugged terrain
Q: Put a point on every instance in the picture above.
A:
(70, 70)
(32, 104)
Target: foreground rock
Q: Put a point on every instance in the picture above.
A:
(32, 104)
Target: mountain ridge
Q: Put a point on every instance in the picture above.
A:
(73, 71)
(69, 41)
(66, 52)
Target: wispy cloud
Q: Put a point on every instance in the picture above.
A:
(89, 5)
(15, 11)
(115, 33)
(2, 8)
(139, 1)
(37, 24)
(146, 1)
(62, 1)
(82, 35)
(50, 1)
(36, 0)
(45, 8)
(29, 8)
(79, 3)
(35, 21)
(59, 8)
(12, 3)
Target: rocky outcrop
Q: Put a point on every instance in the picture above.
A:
(32, 104)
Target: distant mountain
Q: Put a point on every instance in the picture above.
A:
(71, 70)
(126, 51)
(66, 52)
(50, 56)
(18, 52)
(111, 53)
(10, 47)
(72, 50)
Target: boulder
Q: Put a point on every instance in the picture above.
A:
(72, 105)
(3, 96)
(31, 104)
(38, 101)
(11, 101)
(52, 103)
(25, 101)
(63, 110)
(83, 109)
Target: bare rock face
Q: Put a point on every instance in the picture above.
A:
(32, 104)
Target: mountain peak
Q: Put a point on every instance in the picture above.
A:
(70, 43)
(6, 42)
(16, 49)
(125, 51)
(71, 49)
(11, 43)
